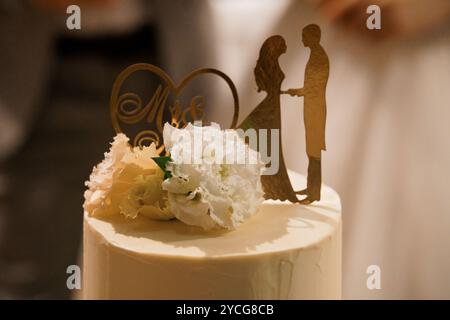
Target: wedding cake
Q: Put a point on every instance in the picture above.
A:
(203, 231)
(286, 251)
(191, 211)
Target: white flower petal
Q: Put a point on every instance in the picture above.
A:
(213, 192)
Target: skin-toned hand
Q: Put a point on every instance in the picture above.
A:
(398, 17)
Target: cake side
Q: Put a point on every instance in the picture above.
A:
(286, 251)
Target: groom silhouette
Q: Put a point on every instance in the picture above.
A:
(314, 110)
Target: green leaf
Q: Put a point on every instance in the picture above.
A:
(162, 163)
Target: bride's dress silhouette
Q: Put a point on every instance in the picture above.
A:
(267, 115)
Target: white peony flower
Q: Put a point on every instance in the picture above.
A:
(127, 182)
(207, 188)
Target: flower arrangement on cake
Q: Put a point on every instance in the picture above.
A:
(211, 179)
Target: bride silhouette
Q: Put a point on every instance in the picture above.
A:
(267, 115)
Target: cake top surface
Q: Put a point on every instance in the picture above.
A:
(278, 226)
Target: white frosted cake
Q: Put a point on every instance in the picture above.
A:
(285, 251)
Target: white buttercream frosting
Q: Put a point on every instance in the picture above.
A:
(286, 251)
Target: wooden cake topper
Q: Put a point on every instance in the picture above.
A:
(267, 115)
(127, 108)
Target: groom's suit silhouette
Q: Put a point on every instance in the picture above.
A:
(313, 91)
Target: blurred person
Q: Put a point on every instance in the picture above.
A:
(396, 210)
(387, 129)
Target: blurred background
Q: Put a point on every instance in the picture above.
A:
(388, 146)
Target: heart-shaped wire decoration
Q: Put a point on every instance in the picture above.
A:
(128, 107)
